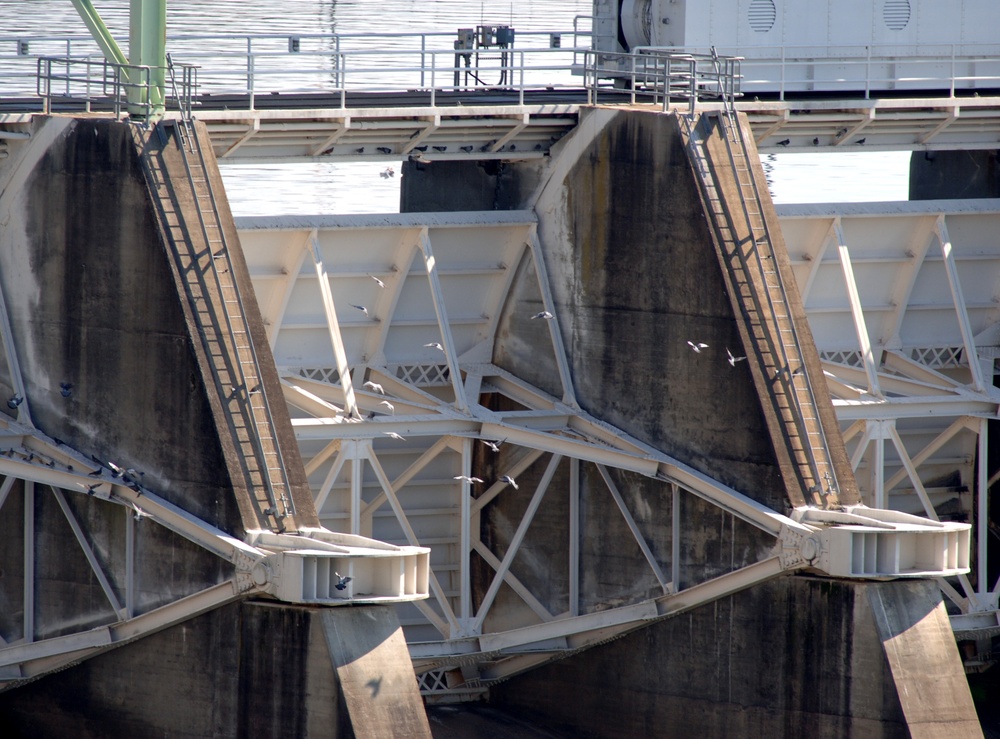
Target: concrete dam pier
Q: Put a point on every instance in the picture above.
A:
(136, 395)
(200, 536)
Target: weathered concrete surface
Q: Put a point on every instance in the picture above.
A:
(93, 300)
(954, 175)
(244, 670)
(460, 185)
(793, 657)
(376, 677)
(920, 647)
(91, 303)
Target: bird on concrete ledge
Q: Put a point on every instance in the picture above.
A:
(341, 581)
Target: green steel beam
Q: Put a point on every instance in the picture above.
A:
(147, 49)
(112, 52)
(147, 41)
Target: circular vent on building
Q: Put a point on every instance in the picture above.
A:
(762, 15)
(896, 14)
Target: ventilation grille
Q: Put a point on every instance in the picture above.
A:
(763, 15)
(896, 14)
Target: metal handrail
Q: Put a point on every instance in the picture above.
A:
(106, 84)
(288, 504)
(664, 76)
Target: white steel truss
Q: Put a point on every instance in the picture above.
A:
(904, 306)
(419, 302)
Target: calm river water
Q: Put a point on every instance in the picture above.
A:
(315, 188)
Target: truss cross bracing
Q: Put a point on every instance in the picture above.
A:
(387, 357)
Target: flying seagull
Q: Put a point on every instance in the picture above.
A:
(341, 581)
(139, 513)
(543, 314)
(14, 401)
(697, 347)
(509, 480)
(494, 445)
(390, 406)
(375, 387)
(733, 360)
(393, 435)
(435, 345)
(377, 280)
(466, 478)
(66, 388)
(360, 308)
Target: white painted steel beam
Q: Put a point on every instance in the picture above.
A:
(861, 329)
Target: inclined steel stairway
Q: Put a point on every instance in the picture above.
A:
(722, 163)
(178, 175)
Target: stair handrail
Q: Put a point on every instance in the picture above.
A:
(288, 504)
(733, 133)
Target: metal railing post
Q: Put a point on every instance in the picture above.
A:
(250, 73)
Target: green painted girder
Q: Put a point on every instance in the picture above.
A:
(147, 48)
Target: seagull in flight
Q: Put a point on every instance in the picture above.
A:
(360, 308)
(393, 435)
(466, 478)
(697, 347)
(390, 406)
(543, 314)
(341, 583)
(377, 280)
(733, 360)
(494, 445)
(375, 387)
(435, 345)
(509, 480)
(139, 513)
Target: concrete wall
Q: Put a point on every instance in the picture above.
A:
(954, 174)
(244, 670)
(791, 658)
(93, 300)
